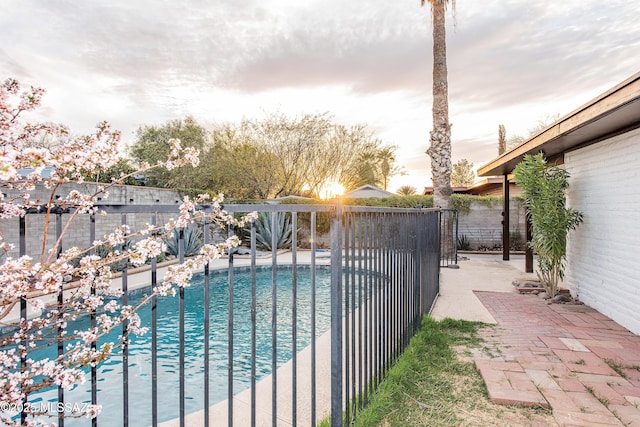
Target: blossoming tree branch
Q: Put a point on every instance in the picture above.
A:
(89, 292)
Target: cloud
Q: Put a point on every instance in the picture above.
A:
(497, 54)
(534, 52)
(146, 61)
(375, 50)
(11, 67)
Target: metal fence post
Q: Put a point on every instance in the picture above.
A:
(336, 317)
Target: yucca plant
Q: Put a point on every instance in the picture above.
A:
(192, 241)
(264, 232)
(544, 189)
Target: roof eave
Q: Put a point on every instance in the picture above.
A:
(613, 112)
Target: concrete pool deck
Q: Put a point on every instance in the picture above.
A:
(477, 272)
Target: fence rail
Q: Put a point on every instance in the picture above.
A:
(384, 275)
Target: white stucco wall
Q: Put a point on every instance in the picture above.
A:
(603, 254)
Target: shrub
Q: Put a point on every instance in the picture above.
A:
(543, 187)
(106, 252)
(516, 241)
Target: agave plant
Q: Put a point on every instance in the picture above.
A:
(264, 232)
(192, 241)
(464, 244)
(104, 251)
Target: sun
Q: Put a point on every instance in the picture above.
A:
(331, 189)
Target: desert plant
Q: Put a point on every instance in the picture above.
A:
(264, 231)
(464, 244)
(107, 252)
(192, 241)
(544, 187)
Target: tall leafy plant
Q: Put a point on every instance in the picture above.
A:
(544, 189)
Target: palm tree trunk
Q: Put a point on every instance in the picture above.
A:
(440, 149)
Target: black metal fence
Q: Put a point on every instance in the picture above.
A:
(449, 238)
(384, 276)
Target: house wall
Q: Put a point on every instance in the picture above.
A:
(495, 190)
(603, 265)
(367, 192)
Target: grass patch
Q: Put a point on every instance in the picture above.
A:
(431, 385)
(601, 399)
(616, 366)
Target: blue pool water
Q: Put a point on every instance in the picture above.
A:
(110, 372)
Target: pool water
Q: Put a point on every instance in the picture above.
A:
(110, 372)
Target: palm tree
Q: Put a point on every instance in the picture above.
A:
(440, 148)
(387, 159)
(407, 190)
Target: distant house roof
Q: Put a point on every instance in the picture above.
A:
(487, 187)
(429, 190)
(285, 198)
(368, 190)
(293, 197)
(614, 112)
(46, 172)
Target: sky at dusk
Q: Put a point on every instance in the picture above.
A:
(144, 62)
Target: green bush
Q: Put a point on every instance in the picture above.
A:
(544, 187)
(462, 202)
(516, 241)
(392, 202)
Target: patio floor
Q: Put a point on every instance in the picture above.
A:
(566, 357)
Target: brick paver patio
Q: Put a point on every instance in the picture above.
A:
(566, 357)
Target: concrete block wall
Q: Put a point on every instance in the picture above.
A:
(483, 224)
(603, 266)
(78, 233)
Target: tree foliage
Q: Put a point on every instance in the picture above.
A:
(122, 169)
(463, 174)
(544, 187)
(515, 140)
(502, 140)
(152, 146)
(276, 156)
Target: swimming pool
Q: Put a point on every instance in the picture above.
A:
(110, 372)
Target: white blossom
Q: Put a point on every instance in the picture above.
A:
(90, 291)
